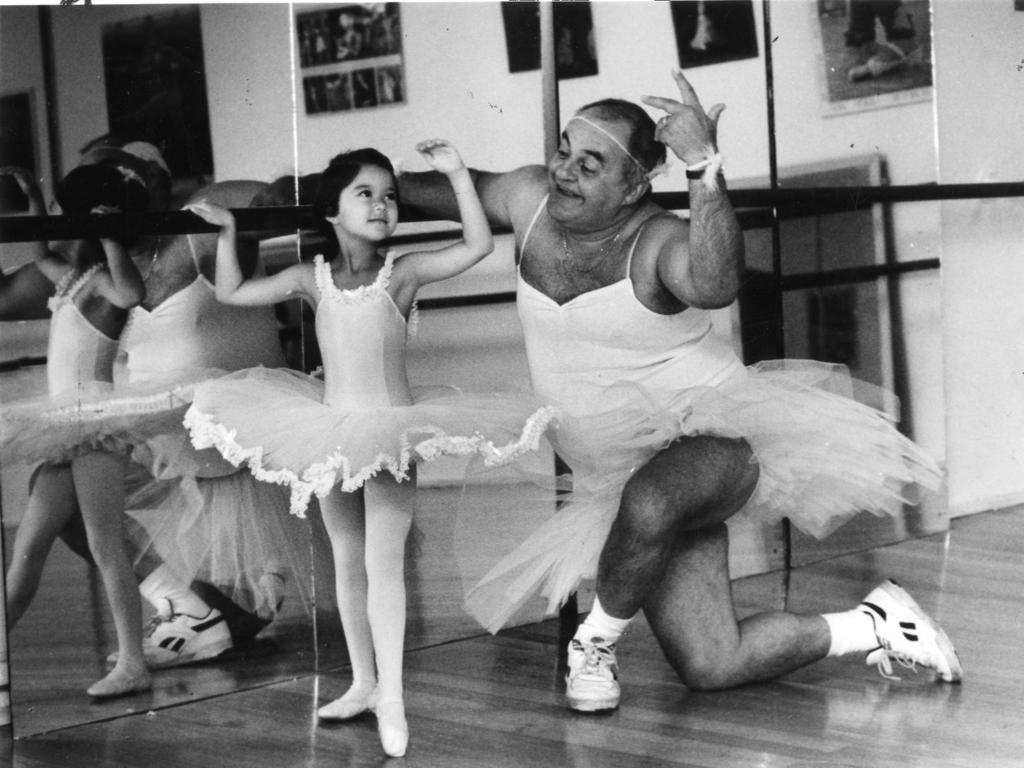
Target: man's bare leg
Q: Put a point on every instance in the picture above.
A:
(693, 617)
(694, 483)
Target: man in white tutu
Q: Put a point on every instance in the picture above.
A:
(219, 551)
(668, 435)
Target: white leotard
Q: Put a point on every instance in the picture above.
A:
(77, 352)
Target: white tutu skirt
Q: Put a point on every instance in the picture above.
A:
(97, 416)
(823, 457)
(226, 529)
(274, 421)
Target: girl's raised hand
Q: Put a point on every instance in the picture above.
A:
(29, 186)
(211, 213)
(106, 210)
(441, 155)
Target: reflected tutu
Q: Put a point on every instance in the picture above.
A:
(96, 416)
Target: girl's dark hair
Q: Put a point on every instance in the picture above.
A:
(113, 186)
(339, 173)
(641, 144)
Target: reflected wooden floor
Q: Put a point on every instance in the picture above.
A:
(496, 701)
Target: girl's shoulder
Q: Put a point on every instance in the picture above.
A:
(74, 283)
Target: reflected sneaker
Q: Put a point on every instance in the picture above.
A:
(592, 682)
(907, 635)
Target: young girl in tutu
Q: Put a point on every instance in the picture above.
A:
(353, 438)
(78, 433)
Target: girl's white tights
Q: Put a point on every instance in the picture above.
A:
(368, 532)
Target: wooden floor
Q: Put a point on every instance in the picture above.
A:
(496, 701)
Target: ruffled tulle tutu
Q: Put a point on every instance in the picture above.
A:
(95, 416)
(230, 531)
(274, 421)
(824, 456)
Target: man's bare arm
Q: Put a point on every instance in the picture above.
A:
(431, 193)
(716, 250)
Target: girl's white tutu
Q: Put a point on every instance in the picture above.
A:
(823, 457)
(274, 421)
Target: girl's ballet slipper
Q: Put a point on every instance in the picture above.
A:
(354, 702)
(120, 683)
(392, 727)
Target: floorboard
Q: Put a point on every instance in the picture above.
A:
(496, 701)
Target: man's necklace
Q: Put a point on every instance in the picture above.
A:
(589, 265)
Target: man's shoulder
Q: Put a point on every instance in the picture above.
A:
(660, 223)
(524, 188)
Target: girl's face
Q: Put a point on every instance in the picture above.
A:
(368, 207)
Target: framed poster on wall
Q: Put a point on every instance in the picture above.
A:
(350, 57)
(575, 51)
(156, 88)
(873, 53)
(714, 31)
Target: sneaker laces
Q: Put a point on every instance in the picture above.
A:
(885, 659)
(598, 659)
(164, 613)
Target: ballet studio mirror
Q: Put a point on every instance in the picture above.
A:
(253, 92)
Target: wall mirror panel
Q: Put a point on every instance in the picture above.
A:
(288, 87)
(854, 107)
(172, 76)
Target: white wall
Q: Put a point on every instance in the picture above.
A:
(980, 108)
(249, 89)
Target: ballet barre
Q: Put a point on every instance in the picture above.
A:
(784, 203)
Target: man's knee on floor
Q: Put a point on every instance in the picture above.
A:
(705, 674)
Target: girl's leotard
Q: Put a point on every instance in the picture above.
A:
(78, 354)
(363, 418)
(629, 381)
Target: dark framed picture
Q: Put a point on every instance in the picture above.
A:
(350, 57)
(17, 147)
(874, 53)
(575, 52)
(714, 31)
(156, 88)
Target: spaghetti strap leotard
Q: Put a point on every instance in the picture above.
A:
(630, 381)
(190, 330)
(363, 418)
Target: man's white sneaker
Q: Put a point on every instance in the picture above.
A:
(592, 682)
(907, 635)
(183, 639)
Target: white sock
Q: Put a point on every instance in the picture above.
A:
(600, 624)
(164, 584)
(851, 632)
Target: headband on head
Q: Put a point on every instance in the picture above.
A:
(148, 152)
(648, 174)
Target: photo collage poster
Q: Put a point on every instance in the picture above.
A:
(350, 57)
